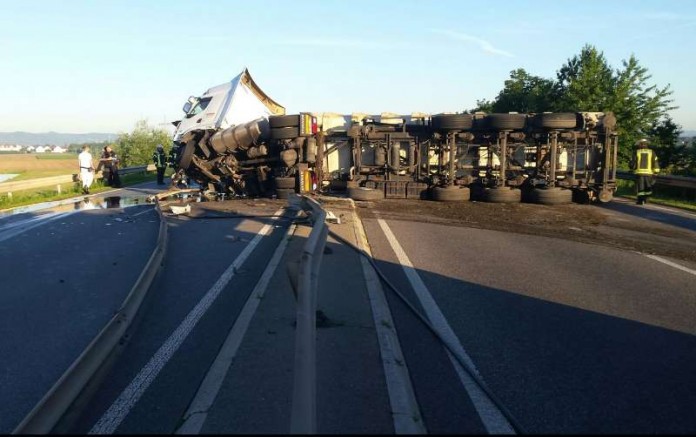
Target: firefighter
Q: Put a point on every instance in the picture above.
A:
(645, 166)
(160, 160)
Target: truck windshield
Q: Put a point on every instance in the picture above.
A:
(199, 107)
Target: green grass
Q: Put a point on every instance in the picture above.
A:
(68, 190)
(668, 196)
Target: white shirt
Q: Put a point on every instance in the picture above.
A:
(85, 160)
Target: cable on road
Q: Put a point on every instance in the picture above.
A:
(477, 379)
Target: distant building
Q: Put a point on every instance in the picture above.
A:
(10, 148)
(30, 149)
(42, 149)
(59, 149)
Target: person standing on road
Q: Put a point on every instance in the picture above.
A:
(86, 169)
(110, 162)
(160, 160)
(645, 166)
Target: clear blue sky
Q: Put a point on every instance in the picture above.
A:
(87, 66)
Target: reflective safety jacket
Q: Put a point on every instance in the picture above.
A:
(160, 159)
(644, 163)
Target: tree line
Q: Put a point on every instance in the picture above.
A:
(586, 82)
(133, 148)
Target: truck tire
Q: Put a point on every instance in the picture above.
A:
(502, 195)
(285, 133)
(451, 194)
(278, 121)
(284, 193)
(187, 155)
(551, 196)
(285, 183)
(505, 121)
(559, 120)
(362, 193)
(447, 122)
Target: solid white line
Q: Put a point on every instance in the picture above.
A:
(402, 397)
(494, 421)
(118, 411)
(197, 412)
(673, 211)
(670, 263)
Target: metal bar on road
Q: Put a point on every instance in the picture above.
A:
(304, 403)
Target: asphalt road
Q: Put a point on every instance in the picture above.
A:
(569, 337)
(572, 338)
(65, 271)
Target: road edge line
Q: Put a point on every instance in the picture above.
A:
(492, 418)
(119, 409)
(670, 263)
(197, 411)
(406, 412)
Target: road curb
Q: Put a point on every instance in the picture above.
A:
(51, 408)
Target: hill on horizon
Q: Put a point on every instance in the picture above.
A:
(53, 138)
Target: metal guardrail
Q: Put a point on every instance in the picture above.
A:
(304, 408)
(29, 184)
(666, 180)
(46, 414)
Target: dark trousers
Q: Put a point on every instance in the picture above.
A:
(644, 185)
(160, 175)
(113, 180)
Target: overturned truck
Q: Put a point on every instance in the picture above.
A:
(236, 140)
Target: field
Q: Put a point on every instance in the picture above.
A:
(31, 166)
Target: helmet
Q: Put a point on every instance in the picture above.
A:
(643, 142)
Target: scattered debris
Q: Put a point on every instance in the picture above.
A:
(331, 218)
(180, 209)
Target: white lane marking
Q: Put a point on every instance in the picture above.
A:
(675, 212)
(143, 212)
(197, 412)
(33, 224)
(402, 397)
(494, 421)
(670, 263)
(118, 411)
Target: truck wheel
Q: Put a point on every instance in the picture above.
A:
(505, 121)
(285, 133)
(451, 194)
(560, 120)
(285, 183)
(552, 196)
(502, 195)
(362, 193)
(448, 122)
(187, 155)
(284, 193)
(277, 121)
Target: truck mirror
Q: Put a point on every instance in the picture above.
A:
(187, 107)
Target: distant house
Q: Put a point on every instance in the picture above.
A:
(42, 149)
(30, 149)
(59, 149)
(10, 148)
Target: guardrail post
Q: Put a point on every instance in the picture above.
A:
(58, 188)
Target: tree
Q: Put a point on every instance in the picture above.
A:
(136, 147)
(638, 106)
(585, 82)
(525, 93)
(664, 140)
